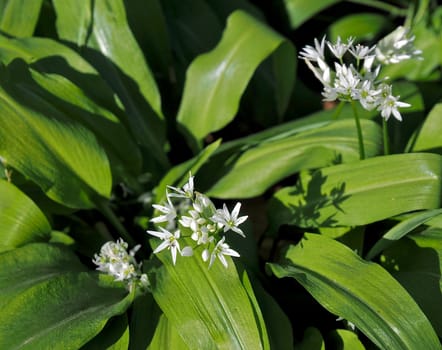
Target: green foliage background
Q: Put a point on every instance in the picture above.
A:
(103, 103)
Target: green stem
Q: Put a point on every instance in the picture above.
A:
(110, 215)
(381, 5)
(359, 131)
(338, 110)
(385, 137)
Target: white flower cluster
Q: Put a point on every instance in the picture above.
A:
(190, 214)
(117, 262)
(356, 81)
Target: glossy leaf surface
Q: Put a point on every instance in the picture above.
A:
(359, 291)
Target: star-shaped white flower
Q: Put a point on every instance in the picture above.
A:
(168, 210)
(229, 221)
(219, 251)
(170, 241)
(314, 53)
(185, 192)
(339, 49)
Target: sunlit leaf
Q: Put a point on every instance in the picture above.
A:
(19, 17)
(361, 192)
(208, 307)
(101, 30)
(358, 291)
(282, 155)
(216, 80)
(62, 157)
(21, 221)
(75, 309)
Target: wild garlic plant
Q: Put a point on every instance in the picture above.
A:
(115, 260)
(190, 219)
(353, 76)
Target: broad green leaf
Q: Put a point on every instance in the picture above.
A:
(400, 230)
(166, 337)
(62, 157)
(429, 137)
(101, 31)
(276, 158)
(345, 340)
(55, 90)
(21, 221)
(299, 11)
(19, 17)
(361, 192)
(358, 291)
(362, 26)
(216, 80)
(209, 308)
(49, 303)
(416, 262)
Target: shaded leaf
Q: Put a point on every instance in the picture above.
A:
(416, 262)
(400, 230)
(166, 337)
(299, 11)
(362, 26)
(359, 291)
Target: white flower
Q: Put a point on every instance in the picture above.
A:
(185, 192)
(117, 262)
(170, 241)
(168, 209)
(397, 46)
(314, 53)
(388, 104)
(339, 49)
(229, 221)
(367, 95)
(346, 82)
(219, 251)
(361, 52)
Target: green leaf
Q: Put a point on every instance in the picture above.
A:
(416, 262)
(114, 336)
(75, 309)
(166, 337)
(359, 291)
(361, 192)
(344, 339)
(274, 159)
(101, 31)
(362, 26)
(429, 137)
(216, 80)
(400, 230)
(19, 17)
(62, 157)
(21, 221)
(209, 308)
(299, 11)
